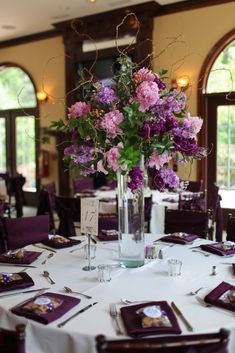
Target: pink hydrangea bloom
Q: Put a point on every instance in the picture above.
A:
(192, 124)
(111, 121)
(100, 167)
(158, 160)
(147, 94)
(79, 109)
(113, 156)
(144, 75)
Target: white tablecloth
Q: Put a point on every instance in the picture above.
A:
(150, 282)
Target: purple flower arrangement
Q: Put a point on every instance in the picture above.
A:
(135, 114)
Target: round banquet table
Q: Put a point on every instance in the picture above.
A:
(149, 282)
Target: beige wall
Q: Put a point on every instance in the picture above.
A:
(44, 61)
(184, 40)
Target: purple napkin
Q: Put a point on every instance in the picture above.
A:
(222, 296)
(184, 238)
(216, 248)
(57, 245)
(102, 236)
(66, 303)
(133, 325)
(27, 259)
(24, 282)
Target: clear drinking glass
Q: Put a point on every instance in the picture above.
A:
(104, 273)
(174, 267)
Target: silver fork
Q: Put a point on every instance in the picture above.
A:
(114, 314)
(48, 257)
(201, 252)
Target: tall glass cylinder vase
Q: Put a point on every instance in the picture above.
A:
(131, 224)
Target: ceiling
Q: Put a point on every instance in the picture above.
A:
(25, 17)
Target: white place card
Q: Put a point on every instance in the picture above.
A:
(89, 215)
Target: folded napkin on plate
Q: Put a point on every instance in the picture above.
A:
(179, 238)
(27, 258)
(222, 296)
(59, 242)
(108, 234)
(225, 248)
(46, 308)
(11, 281)
(163, 324)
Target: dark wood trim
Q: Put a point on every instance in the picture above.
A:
(30, 38)
(189, 5)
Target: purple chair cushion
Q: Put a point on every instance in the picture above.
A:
(107, 223)
(24, 231)
(54, 312)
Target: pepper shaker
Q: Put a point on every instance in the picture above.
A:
(213, 273)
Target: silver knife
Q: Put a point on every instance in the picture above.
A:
(44, 248)
(24, 292)
(17, 265)
(77, 313)
(183, 318)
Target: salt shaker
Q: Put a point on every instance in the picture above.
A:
(213, 273)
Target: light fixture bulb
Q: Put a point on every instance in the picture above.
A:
(182, 81)
(42, 96)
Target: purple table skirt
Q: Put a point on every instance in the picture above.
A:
(68, 303)
(24, 282)
(27, 259)
(132, 321)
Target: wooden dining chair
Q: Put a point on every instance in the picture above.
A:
(82, 184)
(230, 229)
(69, 213)
(195, 201)
(19, 232)
(13, 341)
(196, 343)
(214, 204)
(46, 204)
(192, 222)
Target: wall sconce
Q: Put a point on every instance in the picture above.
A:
(42, 96)
(181, 82)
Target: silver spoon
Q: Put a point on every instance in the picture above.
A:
(196, 291)
(69, 290)
(128, 302)
(46, 274)
(48, 257)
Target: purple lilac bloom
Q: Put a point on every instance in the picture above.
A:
(160, 83)
(174, 102)
(79, 109)
(79, 154)
(106, 95)
(136, 179)
(186, 146)
(169, 177)
(87, 171)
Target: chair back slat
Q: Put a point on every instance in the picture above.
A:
(13, 341)
(197, 343)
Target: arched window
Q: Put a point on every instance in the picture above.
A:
(217, 103)
(222, 74)
(18, 125)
